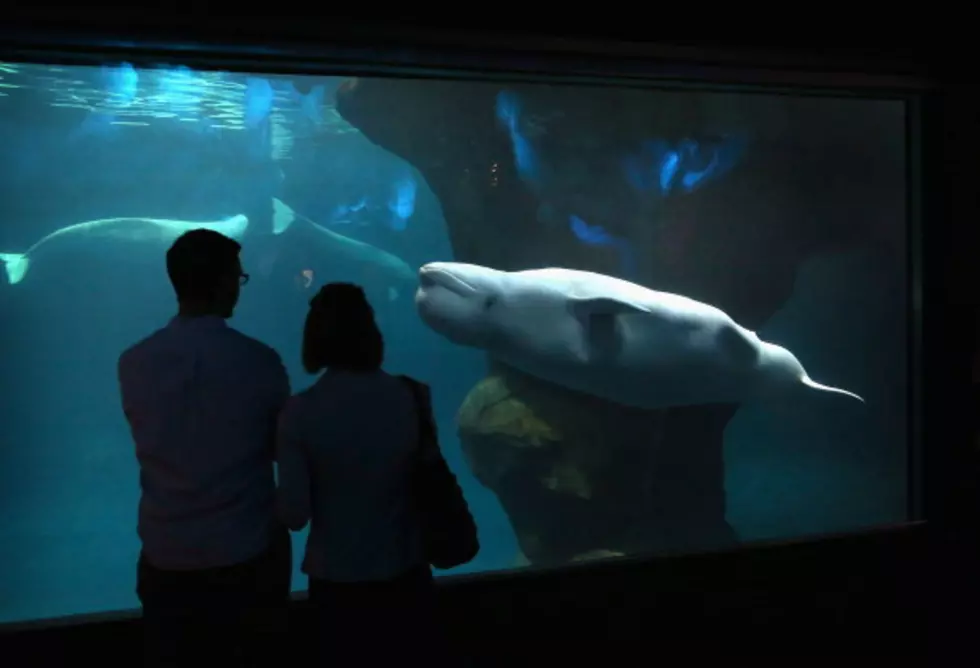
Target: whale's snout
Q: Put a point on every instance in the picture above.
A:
(451, 299)
(437, 275)
(427, 277)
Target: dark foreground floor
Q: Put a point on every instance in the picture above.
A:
(864, 595)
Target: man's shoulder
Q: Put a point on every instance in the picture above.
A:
(165, 339)
(262, 353)
(140, 348)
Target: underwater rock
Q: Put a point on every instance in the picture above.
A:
(447, 130)
(581, 479)
(491, 413)
(724, 244)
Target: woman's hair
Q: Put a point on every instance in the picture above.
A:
(340, 331)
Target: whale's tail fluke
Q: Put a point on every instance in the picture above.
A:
(283, 216)
(814, 385)
(16, 265)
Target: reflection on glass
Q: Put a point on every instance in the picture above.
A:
(654, 322)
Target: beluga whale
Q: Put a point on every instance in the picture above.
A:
(379, 272)
(609, 338)
(135, 230)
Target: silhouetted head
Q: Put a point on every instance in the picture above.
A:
(340, 332)
(457, 300)
(206, 272)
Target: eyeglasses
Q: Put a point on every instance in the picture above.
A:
(243, 279)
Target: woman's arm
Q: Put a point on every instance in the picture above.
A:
(293, 493)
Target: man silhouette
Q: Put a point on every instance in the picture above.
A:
(202, 400)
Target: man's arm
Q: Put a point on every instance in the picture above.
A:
(121, 377)
(293, 493)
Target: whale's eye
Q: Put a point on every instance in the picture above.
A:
(489, 301)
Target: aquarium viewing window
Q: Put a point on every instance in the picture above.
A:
(685, 326)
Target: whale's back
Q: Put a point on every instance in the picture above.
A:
(626, 343)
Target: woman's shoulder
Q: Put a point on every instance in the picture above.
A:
(414, 384)
(404, 378)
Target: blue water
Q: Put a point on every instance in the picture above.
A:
(83, 144)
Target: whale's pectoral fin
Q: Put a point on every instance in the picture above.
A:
(736, 346)
(584, 308)
(598, 318)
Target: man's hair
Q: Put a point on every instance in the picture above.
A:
(340, 331)
(198, 260)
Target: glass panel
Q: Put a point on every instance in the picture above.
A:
(639, 390)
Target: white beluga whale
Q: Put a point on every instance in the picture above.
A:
(609, 338)
(378, 271)
(137, 230)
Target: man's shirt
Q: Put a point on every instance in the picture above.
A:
(202, 401)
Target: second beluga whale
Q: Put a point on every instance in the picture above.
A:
(384, 275)
(609, 338)
(160, 231)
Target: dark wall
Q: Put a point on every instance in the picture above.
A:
(951, 449)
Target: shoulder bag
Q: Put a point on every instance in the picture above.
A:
(449, 534)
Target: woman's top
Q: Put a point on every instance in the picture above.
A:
(345, 448)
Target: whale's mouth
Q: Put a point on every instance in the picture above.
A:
(437, 277)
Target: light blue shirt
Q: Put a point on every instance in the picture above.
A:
(201, 400)
(345, 448)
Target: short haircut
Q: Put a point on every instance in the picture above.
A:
(340, 331)
(197, 262)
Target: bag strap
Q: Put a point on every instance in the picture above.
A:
(423, 413)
